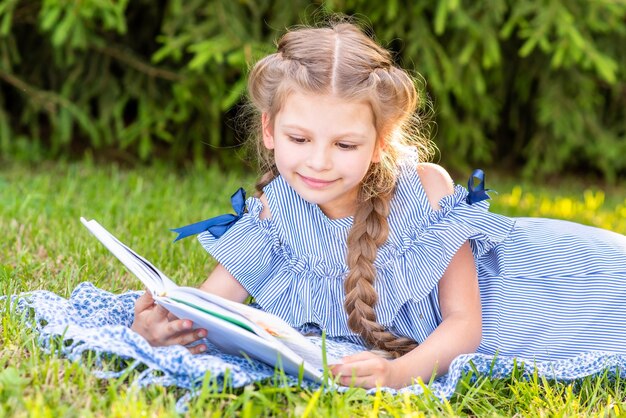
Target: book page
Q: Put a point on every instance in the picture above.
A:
(187, 296)
(149, 275)
(233, 339)
(266, 324)
(288, 336)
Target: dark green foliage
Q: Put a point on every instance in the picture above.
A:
(534, 84)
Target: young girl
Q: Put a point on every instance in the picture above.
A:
(353, 233)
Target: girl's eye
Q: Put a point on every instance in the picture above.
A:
(297, 139)
(345, 146)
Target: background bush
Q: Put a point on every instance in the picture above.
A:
(535, 85)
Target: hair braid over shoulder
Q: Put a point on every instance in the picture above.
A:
(369, 231)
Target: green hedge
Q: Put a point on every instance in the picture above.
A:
(536, 85)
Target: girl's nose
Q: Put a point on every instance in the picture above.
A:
(319, 159)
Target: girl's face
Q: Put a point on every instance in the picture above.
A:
(323, 147)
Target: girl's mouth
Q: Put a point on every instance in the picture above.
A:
(315, 183)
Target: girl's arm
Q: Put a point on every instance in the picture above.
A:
(459, 332)
(221, 283)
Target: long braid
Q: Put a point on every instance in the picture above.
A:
(369, 231)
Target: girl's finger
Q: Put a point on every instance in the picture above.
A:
(144, 302)
(366, 382)
(190, 336)
(354, 368)
(197, 349)
(178, 326)
(363, 355)
(362, 369)
(161, 312)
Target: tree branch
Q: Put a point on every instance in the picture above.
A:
(46, 99)
(137, 63)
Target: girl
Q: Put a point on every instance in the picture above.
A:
(353, 233)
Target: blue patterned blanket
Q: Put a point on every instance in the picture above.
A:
(98, 321)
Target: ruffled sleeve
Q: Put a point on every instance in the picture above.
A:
(410, 268)
(248, 249)
(458, 221)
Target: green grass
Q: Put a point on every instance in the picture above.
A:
(44, 246)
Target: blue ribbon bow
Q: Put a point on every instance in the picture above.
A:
(478, 192)
(220, 224)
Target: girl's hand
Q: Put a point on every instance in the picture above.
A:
(159, 327)
(364, 369)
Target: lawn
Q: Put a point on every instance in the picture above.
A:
(46, 247)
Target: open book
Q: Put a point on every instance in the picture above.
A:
(233, 327)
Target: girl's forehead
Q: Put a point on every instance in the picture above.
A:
(312, 109)
(299, 95)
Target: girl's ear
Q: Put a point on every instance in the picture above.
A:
(268, 131)
(378, 150)
(376, 155)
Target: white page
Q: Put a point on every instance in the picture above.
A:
(192, 296)
(232, 339)
(267, 324)
(150, 276)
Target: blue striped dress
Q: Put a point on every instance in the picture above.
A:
(550, 289)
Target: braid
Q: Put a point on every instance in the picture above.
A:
(369, 231)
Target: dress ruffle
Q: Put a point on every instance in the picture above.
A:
(252, 237)
(411, 271)
(308, 288)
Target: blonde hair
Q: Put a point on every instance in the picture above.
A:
(339, 59)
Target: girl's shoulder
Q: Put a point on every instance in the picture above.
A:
(277, 199)
(266, 213)
(435, 181)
